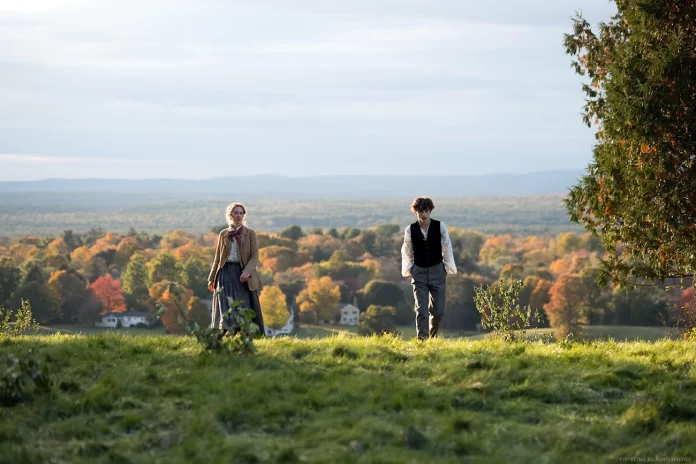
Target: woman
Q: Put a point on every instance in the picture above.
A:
(234, 269)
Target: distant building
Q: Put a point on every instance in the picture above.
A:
(285, 330)
(350, 315)
(128, 319)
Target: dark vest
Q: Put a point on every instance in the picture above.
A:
(426, 253)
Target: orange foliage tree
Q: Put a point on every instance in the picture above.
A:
(196, 310)
(567, 306)
(109, 293)
(319, 301)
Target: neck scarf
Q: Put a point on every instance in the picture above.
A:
(235, 234)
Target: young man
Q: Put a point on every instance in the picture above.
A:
(426, 257)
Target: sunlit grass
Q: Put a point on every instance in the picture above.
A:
(353, 399)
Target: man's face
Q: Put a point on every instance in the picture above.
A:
(423, 216)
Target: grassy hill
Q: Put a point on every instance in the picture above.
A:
(352, 399)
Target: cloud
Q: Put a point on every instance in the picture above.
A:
(42, 159)
(191, 80)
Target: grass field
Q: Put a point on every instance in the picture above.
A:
(344, 399)
(596, 332)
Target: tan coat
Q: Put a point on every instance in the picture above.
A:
(248, 256)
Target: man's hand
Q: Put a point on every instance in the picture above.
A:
(211, 288)
(245, 276)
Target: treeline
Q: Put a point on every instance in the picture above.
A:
(49, 214)
(76, 278)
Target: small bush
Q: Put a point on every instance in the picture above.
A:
(500, 309)
(24, 323)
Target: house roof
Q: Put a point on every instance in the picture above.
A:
(128, 313)
(349, 307)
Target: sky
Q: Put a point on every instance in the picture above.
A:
(211, 88)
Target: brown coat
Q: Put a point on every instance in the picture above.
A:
(248, 256)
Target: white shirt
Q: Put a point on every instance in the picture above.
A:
(407, 251)
(234, 249)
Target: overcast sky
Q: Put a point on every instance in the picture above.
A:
(207, 88)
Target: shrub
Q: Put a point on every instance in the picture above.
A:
(24, 323)
(500, 309)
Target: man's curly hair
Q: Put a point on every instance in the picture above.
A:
(422, 204)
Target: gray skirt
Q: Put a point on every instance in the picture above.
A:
(228, 280)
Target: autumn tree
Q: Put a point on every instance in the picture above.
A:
(276, 258)
(194, 275)
(34, 274)
(380, 293)
(72, 291)
(109, 293)
(163, 267)
(293, 233)
(568, 242)
(319, 301)
(567, 306)
(125, 250)
(196, 311)
(45, 302)
(95, 268)
(275, 307)
(136, 281)
(513, 271)
(539, 298)
(686, 310)
(639, 193)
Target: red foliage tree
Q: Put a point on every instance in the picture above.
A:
(109, 293)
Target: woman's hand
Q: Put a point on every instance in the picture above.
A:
(211, 288)
(245, 276)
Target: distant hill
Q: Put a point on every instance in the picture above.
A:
(270, 186)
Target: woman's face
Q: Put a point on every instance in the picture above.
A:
(237, 215)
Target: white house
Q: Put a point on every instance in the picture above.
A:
(128, 319)
(350, 315)
(285, 330)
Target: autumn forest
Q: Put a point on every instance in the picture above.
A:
(74, 278)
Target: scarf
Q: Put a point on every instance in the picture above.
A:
(235, 235)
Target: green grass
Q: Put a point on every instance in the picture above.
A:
(347, 399)
(321, 331)
(86, 329)
(620, 333)
(595, 332)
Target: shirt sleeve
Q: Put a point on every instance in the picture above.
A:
(407, 254)
(447, 255)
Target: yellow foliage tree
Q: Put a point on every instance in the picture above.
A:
(319, 301)
(80, 257)
(275, 307)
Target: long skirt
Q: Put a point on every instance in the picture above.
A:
(228, 281)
